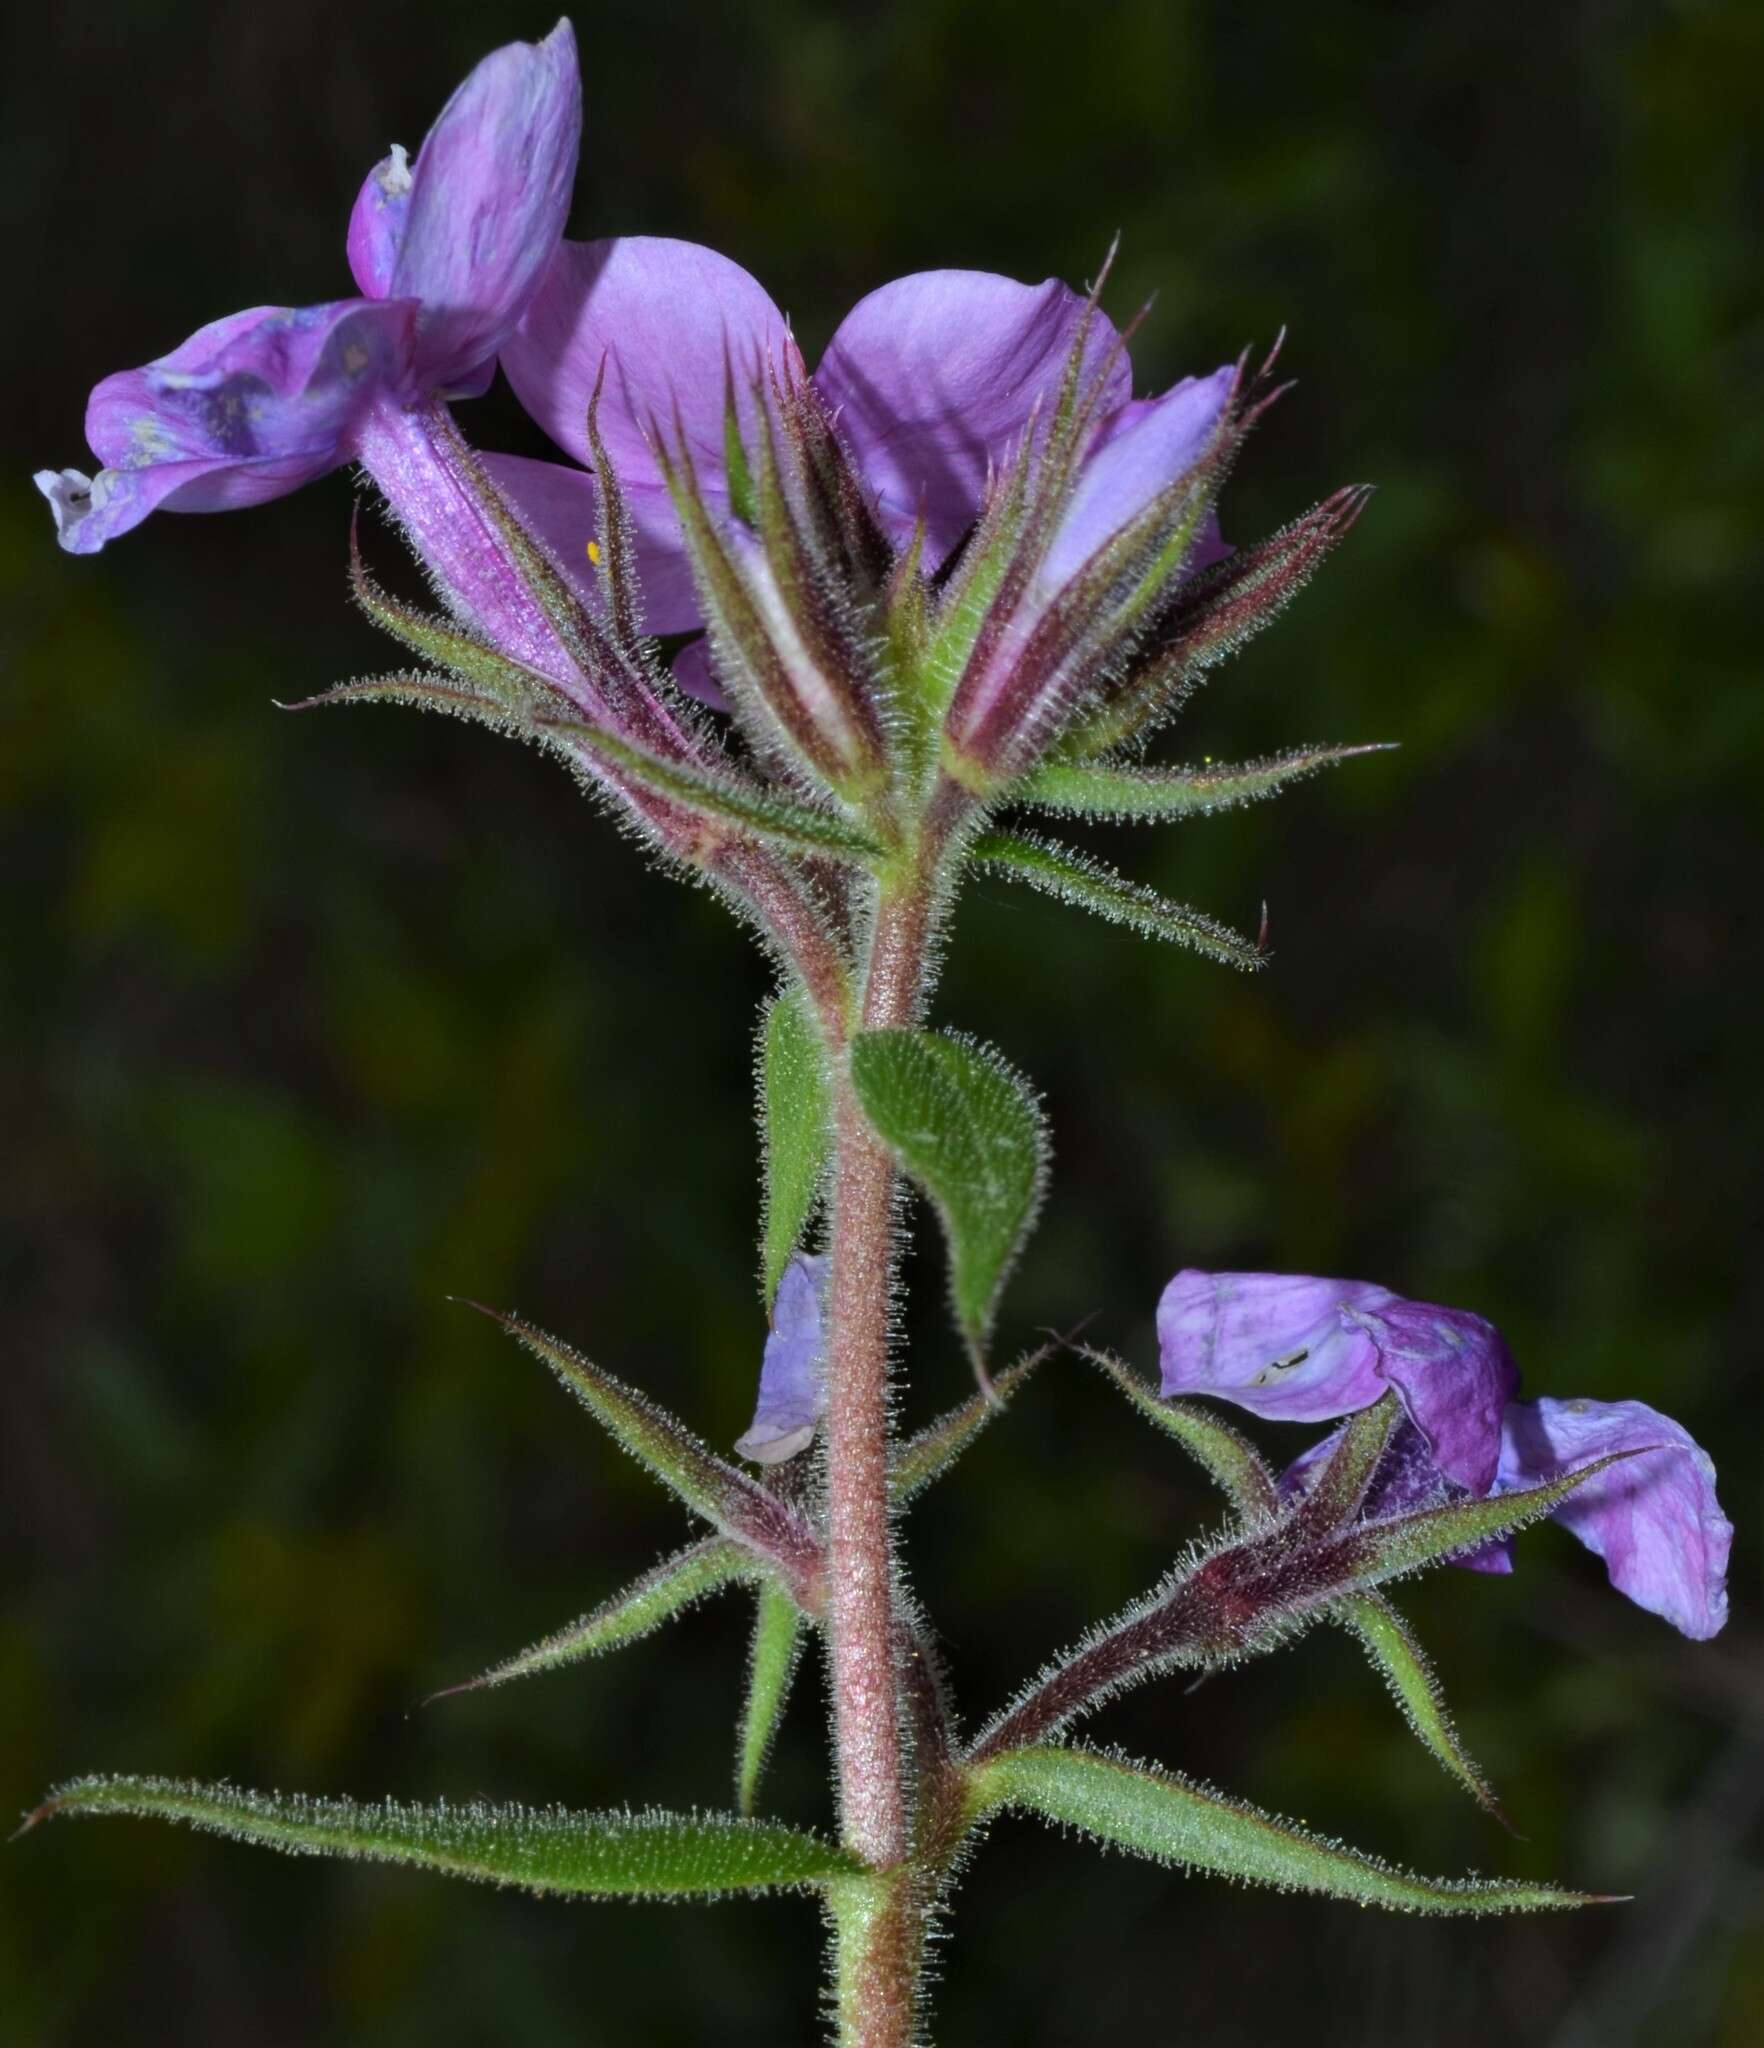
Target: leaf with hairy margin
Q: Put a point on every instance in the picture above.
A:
(739, 1507)
(649, 1855)
(1073, 877)
(771, 1665)
(729, 798)
(1156, 1814)
(663, 1591)
(1225, 1454)
(796, 1126)
(970, 1133)
(1124, 795)
(1403, 1665)
(924, 1458)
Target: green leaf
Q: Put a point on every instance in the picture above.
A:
(1073, 877)
(651, 1855)
(422, 693)
(796, 1127)
(969, 1132)
(1101, 790)
(736, 1505)
(1403, 1665)
(1338, 1488)
(1155, 1814)
(777, 1644)
(1372, 1552)
(669, 1588)
(1230, 1460)
(731, 798)
(927, 1456)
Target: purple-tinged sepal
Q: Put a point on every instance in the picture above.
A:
(793, 1386)
(1224, 605)
(1654, 1519)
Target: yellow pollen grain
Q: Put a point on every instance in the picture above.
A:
(594, 552)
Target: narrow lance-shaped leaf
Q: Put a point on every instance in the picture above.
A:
(1228, 1457)
(728, 797)
(1099, 789)
(771, 1664)
(1373, 1552)
(421, 693)
(1338, 1487)
(1155, 1814)
(735, 1504)
(1072, 877)
(969, 1132)
(1402, 1663)
(651, 1855)
(667, 1589)
(928, 1455)
(795, 1126)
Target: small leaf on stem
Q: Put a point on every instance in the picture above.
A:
(1399, 1658)
(665, 1590)
(1073, 877)
(777, 1644)
(927, 1456)
(1228, 1457)
(1098, 789)
(970, 1133)
(795, 1127)
(737, 1505)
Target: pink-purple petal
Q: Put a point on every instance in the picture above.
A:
(488, 195)
(376, 224)
(693, 673)
(671, 322)
(1146, 445)
(1282, 1345)
(1455, 1376)
(936, 376)
(249, 408)
(561, 506)
(792, 1389)
(1654, 1519)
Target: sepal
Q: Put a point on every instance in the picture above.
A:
(1222, 609)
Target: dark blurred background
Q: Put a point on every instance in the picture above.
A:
(307, 1024)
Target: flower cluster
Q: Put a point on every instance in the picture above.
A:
(813, 635)
(1295, 1349)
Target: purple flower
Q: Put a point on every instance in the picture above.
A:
(1305, 1350)
(934, 381)
(792, 1389)
(447, 251)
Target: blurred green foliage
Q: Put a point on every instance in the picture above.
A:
(305, 1024)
